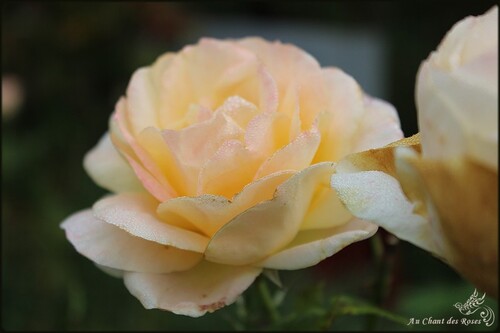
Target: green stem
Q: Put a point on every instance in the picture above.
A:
(268, 302)
(378, 257)
(384, 262)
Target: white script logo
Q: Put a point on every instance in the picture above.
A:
(475, 303)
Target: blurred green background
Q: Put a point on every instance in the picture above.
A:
(73, 60)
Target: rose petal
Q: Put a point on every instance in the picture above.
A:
(265, 133)
(143, 95)
(305, 80)
(297, 155)
(142, 101)
(181, 176)
(228, 171)
(379, 125)
(326, 210)
(270, 225)
(208, 213)
(310, 247)
(370, 122)
(378, 197)
(270, 131)
(337, 126)
(204, 288)
(211, 72)
(381, 159)
(459, 120)
(463, 210)
(139, 159)
(467, 40)
(117, 273)
(108, 168)
(190, 145)
(135, 213)
(110, 246)
(238, 110)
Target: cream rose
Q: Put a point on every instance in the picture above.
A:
(220, 159)
(442, 195)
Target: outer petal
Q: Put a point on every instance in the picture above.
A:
(335, 124)
(468, 40)
(310, 247)
(205, 288)
(464, 213)
(109, 246)
(140, 160)
(117, 273)
(144, 99)
(378, 197)
(135, 213)
(110, 170)
(457, 117)
(369, 122)
(379, 125)
(270, 225)
(457, 93)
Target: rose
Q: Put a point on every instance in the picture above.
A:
(457, 94)
(220, 157)
(442, 195)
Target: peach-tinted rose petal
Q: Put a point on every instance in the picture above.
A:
(228, 170)
(110, 170)
(135, 213)
(379, 125)
(108, 245)
(211, 72)
(305, 79)
(297, 155)
(270, 225)
(370, 122)
(208, 213)
(194, 145)
(310, 247)
(142, 101)
(205, 288)
(141, 162)
(338, 126)
(325, 210)
(182, 177)
(262, 136)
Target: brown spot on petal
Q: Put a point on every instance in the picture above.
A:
(382, 159)
(213, 306)
(465, 195)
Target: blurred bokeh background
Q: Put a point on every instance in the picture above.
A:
(65, 64)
